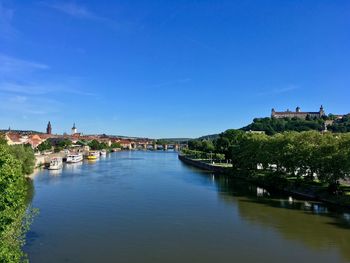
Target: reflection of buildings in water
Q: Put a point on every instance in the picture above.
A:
(346, 216)
(261, 192)
(55, 172)
(73, 166)
(307, 205)
(319, 209)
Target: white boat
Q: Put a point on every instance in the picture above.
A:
(56, 163)
(74, 158)
(103, 153)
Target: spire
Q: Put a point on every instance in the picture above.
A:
(48, 128)
(74, 126)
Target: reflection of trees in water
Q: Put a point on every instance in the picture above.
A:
(312, 223)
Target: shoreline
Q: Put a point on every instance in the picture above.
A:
(262, 181)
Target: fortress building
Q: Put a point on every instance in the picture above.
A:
(297, 114)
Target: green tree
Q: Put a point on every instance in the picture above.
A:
(24, 154)
(116, 145)
(12, 207)
(44, 146)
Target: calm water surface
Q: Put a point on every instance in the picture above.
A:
(150, 207)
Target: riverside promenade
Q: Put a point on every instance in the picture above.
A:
(308, 192)
(217, 168)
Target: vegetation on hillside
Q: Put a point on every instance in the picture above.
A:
(273, 125)
(341, 125)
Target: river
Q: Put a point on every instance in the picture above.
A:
(149, 207)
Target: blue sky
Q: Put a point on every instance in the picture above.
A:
(169, 68)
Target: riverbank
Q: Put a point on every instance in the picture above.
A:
(313, 191)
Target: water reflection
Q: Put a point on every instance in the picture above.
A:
(313, 223)
(149, 207)
(55, 172)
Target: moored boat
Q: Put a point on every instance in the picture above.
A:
(74, 158)
(56, 163)
(93, 155)
(103, 152)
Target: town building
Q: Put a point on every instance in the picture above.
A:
(74, 129)
(49, 128)
(297, 114)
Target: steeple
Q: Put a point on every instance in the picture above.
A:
(48, 128)
(322, 113)
(74, 129)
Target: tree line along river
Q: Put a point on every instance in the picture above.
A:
(150, 207)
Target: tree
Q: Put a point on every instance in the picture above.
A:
(12, 207)
(25, 155)
(44, 146)
(116, 145)
(96, 145)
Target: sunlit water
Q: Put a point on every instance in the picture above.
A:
(150, 207)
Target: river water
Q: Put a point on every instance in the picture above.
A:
(150, 207)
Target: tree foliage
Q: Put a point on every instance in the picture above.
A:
(273, 125)
(24, 154)
(96, 145)
(13, 189)
(310, 155)
(116, 145)
(44, 146)
(341, 125)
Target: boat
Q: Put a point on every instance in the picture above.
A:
(103, 153)
(56, 163)
(93, 155)
(74, 158)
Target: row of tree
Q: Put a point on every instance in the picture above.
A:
(15, 162)
(273, 125)
(66, 144)
(309, 155)
(217, 157)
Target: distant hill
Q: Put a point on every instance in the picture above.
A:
(175, 140)
(20, 131)
(273, 125)
(209, 137)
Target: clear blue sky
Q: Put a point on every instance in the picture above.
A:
(169, 68)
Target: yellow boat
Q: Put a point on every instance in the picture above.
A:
(93, 155)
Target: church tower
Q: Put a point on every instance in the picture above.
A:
(48, 128)
(322, 112)
(74, 129)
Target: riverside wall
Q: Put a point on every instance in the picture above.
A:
(204, 166)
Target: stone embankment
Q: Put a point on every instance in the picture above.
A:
(205, 166)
